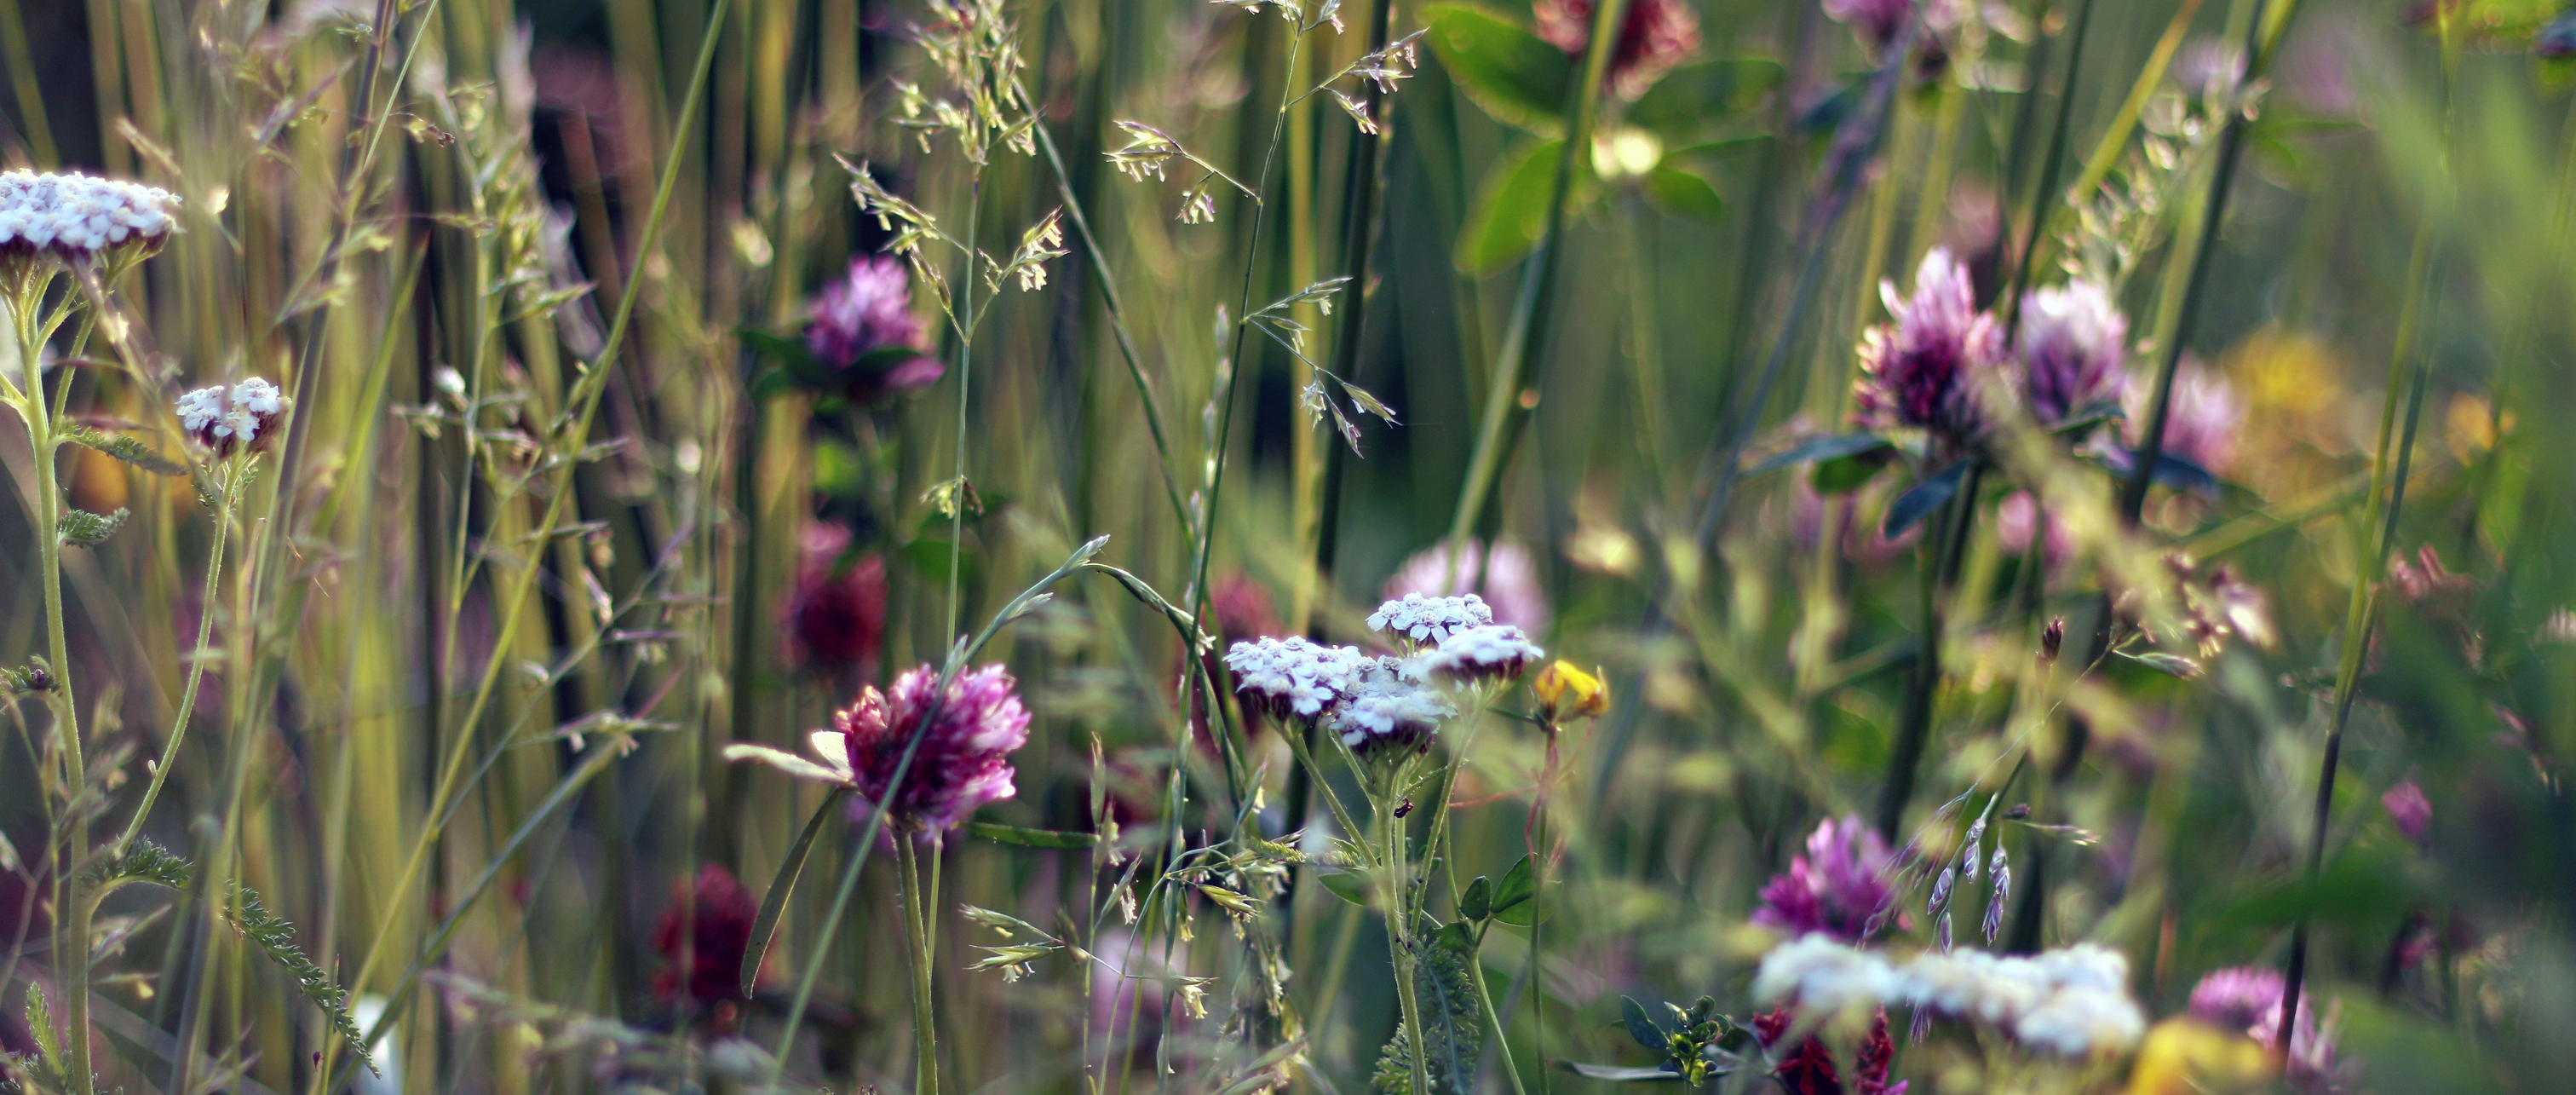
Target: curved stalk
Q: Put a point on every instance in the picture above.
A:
(239, 474)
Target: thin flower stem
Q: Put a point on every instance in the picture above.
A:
(71, 941)
(1401, 941)
(925, 1039)
(233, 482)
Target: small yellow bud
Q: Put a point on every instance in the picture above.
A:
(1565, 692)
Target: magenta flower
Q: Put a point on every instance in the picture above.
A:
(2248, 998)
(2074, 348)
(1654, 36)
(704, 935)
(2408, 808)
(1839, 888)
(1924, 369)
(836, 612)
(868, 311)
(1505, 575)
(964, 759)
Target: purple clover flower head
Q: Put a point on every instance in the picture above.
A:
(1924, 369)
(964, 760)
(2074, 350)
(2200, 425)
(867, 311)
(1839, 888)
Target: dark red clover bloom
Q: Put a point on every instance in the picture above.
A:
(703, 937)
(1654, 36)
(1925, 369)
(1808, 1067)
(1839, 888)
(836, 612)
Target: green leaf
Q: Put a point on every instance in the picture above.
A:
(276, 939)
(764, 928)
(1513, 74)
(1684, 193)
(1452, 1017)
(1031, 838)
(1516, 887)
(1919, 500)
(1619, 1075)
(1642, 1027)
(82, 528)
(124, 448)
(1847, 473)
(1348, 887)
(2171, 665)
(143, 861)
(1478, 902)
(1819, 449)
(1510, 210)
(789, 352)
(1682, 105)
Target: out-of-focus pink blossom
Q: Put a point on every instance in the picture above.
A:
(703, 936)
(2019, 521)
(1877, 21)
(1506, 577)
(867, 311)
(2074, 350)
(1925, 369)
(2248, 998)
(1654, 36)
(2408, 808)
(836, 612)
(2202, 422)
(1839, 888)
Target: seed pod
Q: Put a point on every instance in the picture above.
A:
(1922, 1025)
(1968, 854)
(1940, 891)
(1943, 936)
(1995, 905)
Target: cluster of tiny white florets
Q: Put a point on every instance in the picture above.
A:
(1430, 621)
(2072, 1002)
(1370, 701)
(1294, 678)
(1478, 654)
(230, 420)
(1386, 705)
(79, 214)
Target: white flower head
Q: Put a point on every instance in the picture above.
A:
(1294, 678)
(2082, 1022)
(1820, 972)
(76, 216)
(1491, 652)
(1383, 709)
(1430, 620)
(2072, 1002)
(231, 421)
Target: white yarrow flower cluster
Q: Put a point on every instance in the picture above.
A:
(1478, 654)
(229, 421)
(1292, 677)
(1369, 701)
(75, 215)
(1430, 621)
(2072, 1002)
(1387, 706)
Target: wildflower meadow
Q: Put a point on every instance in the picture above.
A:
(1334, 547)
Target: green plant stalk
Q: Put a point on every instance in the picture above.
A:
(925, 1039)
(239, 474)
(72, 938)
(1528, 324)
(586, 394)
(1401, 941)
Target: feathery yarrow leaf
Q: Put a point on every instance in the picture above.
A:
(276, 938)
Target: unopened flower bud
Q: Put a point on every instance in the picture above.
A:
(2052, 639)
